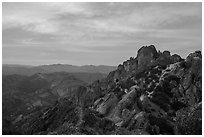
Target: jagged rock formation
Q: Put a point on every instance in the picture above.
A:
(154, 86)
(153, 93)
(165, 84)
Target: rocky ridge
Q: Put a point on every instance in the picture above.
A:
(153, 93)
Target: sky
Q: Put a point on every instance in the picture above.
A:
(96, 33)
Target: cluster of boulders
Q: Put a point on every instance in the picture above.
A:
(161, 85)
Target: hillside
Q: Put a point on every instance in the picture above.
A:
(154, 93)
(22, 94)
(20, 70)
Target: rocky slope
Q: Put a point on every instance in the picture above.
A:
(22, 94)
(153, 93)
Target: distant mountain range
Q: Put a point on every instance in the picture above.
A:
(8, 69)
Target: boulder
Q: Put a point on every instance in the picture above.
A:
(139, 121)
(109, 102)
(125, 113)
(146, 56)
(151, 107)
(129, 99)
(167, 54)
(191, 56)
(175, 58)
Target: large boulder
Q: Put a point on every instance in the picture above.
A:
(151, 107)
(175, 58)
(127, 103)
(146, 56)
(139, 121)
(107, 103)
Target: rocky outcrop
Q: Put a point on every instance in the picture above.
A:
(146, 56)
(175, 58)
(126, 105)
(106, 104)
(162, 84)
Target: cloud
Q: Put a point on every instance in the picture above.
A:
(37, 17)
(100, 27)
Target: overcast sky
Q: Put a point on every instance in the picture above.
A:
(96, 33)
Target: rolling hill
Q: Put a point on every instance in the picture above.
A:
(9, 69)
